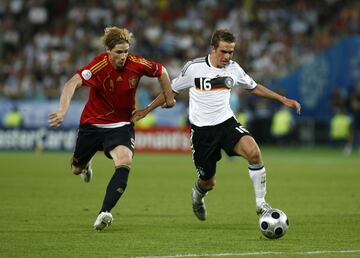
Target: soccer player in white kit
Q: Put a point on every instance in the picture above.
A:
(213, 124)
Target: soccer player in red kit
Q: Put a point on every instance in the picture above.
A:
(105, 124)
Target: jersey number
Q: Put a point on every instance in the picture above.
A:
(205, 84)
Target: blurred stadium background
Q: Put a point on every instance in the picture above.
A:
(308, 50)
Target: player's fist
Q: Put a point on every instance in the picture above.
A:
(55, 119)
(292, 104)
(169, 104)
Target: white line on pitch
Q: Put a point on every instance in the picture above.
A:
(252, 254)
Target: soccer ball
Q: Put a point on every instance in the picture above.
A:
(273, 223)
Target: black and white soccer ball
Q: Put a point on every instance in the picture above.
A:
(273, 223)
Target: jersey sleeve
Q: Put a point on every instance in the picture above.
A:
(87, 73)
(147, 67)
(243, 79)
(183, 81)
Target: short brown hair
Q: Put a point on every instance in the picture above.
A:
(221, 35)
(114, 35)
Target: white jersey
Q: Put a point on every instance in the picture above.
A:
(209, 98)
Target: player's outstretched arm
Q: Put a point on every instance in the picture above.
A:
(141, 113)
(165, 84)
(56, 118)
(262, 91)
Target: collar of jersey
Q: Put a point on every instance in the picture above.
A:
(207, 59)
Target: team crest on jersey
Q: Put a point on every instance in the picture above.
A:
(133, 81)
(229, 82)
(86, 74)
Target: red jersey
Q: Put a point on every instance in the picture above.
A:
(112, 92)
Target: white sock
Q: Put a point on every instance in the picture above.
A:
(257, 174)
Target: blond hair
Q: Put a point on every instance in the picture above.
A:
(114, 35)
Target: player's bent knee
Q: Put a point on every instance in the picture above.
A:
(254, 156)
(122, 156)
(123, 160)
(209, 187)
(209, 184)
(76, 170)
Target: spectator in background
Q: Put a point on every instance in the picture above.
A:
(354, 99)
(282, 125)
(242, 117)
(13, 119)
(340, 129)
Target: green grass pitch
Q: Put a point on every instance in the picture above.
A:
(48, 212)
